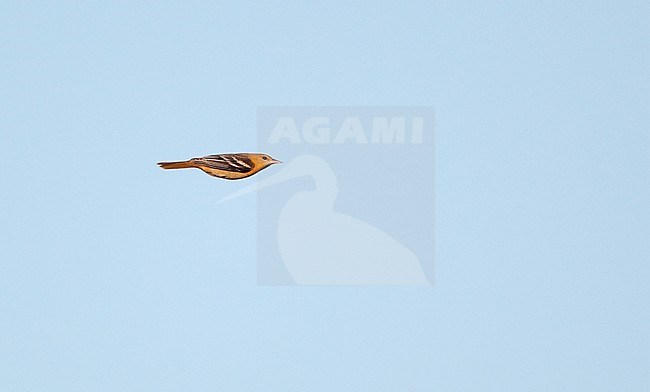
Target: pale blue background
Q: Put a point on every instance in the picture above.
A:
(117, 276)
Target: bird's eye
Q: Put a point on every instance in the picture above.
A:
(265, 158)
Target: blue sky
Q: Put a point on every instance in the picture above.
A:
(115, 275)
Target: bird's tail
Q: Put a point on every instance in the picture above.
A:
(176, 165)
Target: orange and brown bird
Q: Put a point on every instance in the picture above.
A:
(228, 166)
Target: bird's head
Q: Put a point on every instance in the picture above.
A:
(263, 160)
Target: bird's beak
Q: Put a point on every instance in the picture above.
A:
(274, 161)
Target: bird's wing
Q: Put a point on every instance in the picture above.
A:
(228, 162)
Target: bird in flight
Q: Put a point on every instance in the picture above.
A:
(227, 166)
